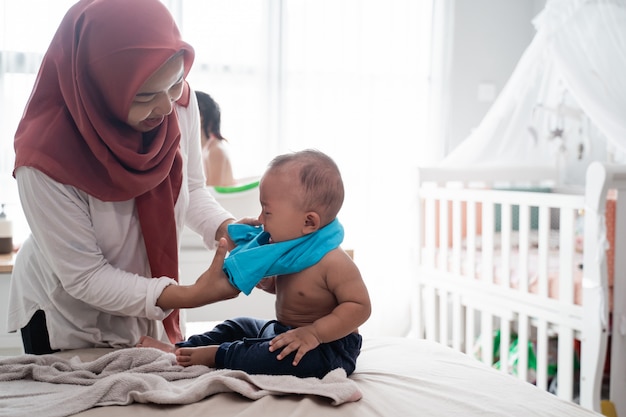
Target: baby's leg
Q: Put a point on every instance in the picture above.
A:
(147, 341)
(201, 355)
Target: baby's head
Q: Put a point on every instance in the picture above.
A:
(301, 192)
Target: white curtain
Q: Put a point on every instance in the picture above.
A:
(566, 98)
(355, 85)
(589, 51)
(348, 77)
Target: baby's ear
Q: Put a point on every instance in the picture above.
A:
(311, 223)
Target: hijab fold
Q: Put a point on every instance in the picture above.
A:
(74, 127)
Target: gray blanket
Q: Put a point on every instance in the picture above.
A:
(56, 387)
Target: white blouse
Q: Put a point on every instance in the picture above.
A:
(85, 263)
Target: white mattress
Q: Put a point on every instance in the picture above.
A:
(397, 377)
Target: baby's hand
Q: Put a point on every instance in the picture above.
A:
(300, 340)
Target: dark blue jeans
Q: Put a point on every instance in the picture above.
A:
(35, 336)
(244, 345)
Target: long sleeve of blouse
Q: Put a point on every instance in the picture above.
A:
(85, 263)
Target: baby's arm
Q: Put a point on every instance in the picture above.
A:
(353, 309)
(353, 302)
(268, 284)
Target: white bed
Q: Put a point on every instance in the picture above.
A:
(413, 376)
(396, 377)
(545, 279)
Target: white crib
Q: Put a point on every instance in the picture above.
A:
(539, 280)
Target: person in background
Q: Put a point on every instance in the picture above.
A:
(321, 299)
(109, 172)
(217, 164)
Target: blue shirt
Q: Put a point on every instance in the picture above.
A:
(253, 259)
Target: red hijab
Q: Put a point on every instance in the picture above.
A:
(74, 127)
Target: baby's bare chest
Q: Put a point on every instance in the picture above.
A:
(303, 290)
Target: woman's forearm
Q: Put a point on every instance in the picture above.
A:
(206, 290)
(211, 286)
(178, 296)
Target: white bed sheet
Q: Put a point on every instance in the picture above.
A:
(397, 377)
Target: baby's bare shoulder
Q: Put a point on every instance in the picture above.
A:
(339, 254)
(339, 261)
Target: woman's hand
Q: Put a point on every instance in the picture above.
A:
(211, 286)
(222, 231)
(252, 221)
(214, 283)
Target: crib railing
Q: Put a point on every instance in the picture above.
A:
(482, 288)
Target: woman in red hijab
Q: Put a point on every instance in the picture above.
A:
(109, 170)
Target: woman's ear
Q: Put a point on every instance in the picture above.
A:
(311, 223)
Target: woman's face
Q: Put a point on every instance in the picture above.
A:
(155, 98)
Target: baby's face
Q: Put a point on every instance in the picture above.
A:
(281, 215)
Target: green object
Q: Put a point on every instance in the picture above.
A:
(514, 356)
(514, 353)
(236, 188)
(534, 211)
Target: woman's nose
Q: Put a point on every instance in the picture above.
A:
(164, 105)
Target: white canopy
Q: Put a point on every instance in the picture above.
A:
(566, 95)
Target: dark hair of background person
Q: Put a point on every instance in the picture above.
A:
(210, 115)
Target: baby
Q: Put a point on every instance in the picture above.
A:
(321, 298)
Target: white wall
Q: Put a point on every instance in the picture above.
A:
(489, 37)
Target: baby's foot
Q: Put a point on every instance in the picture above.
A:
(147, 341)
(201, 355)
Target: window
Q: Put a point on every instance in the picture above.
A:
(231, 39)
(348, 77)
(26, 28)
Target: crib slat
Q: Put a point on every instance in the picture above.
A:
(542, 354)
(565, 364)
(488, 214)
(470, 325)
(470, 270)
(565, 367)
(430, 312)
(522, 346)
(486, 331)
(457, 236)
(418, 327)
(566, 255)
(442, 260)
(443, 317)
(524, 226)
(544, 250)
(429, 232)
(457, 322)
(505, 342)
(427, 314)
(505, 245)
